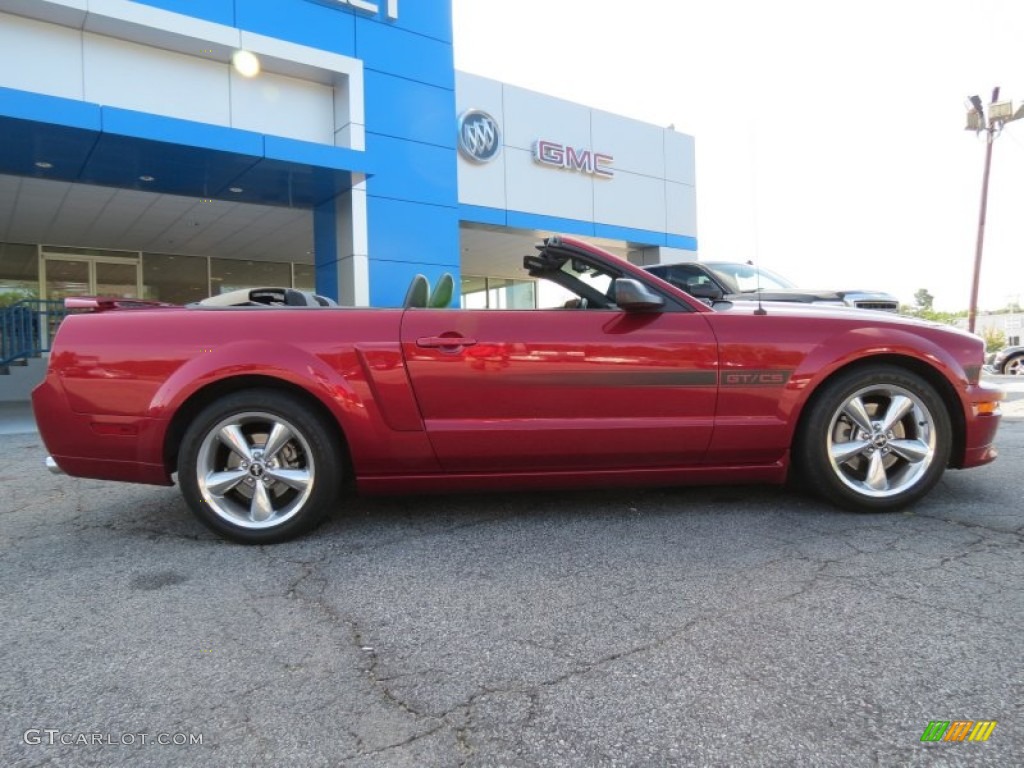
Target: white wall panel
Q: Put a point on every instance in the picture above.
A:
(534, 188)
(472, 92)
(131, 65)
(679, 154)
(630, 200)
(530, 116)
(654, 171)
(481, 183)
(40, 57)
(132, 76)
(681, 202)
(283, 106)
(637, 147)
(349, 130)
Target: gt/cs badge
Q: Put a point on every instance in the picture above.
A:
(756, 379)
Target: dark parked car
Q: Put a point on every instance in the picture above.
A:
(1009, 361)
(733, 281)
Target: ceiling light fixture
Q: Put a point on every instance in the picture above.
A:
(147, 178)
(43, 164)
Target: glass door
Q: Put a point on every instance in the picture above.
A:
(71, 275)
(116, 279)
(66, 277)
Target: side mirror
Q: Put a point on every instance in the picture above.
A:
(633, 296)
(708, 291)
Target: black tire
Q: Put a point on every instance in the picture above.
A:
(251, 488)
(846, 453)
(1014, 366)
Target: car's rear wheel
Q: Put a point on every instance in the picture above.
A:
(1014, 366)
(874, 439)
(258, 467)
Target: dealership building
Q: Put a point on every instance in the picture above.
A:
(139, 158)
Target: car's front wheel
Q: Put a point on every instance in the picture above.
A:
(1014, 366)
(259, 467)
(874, 439)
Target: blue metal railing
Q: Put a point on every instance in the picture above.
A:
(27, 328)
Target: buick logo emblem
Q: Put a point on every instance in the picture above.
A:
(479, 136)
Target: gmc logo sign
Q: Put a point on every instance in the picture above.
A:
(572, 159)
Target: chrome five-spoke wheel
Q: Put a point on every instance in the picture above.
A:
(255, 470)
(874, 438)
(259, 466)
(881, 441)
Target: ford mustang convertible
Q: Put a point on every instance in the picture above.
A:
(267, 408)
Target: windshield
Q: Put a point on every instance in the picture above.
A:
(743, 278)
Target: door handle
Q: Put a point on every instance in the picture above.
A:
(445, 342)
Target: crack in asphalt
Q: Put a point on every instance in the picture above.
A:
(310, 586)
(1016, 532)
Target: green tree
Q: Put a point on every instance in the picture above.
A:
(924, 300)
(10, 296)
(994, 338)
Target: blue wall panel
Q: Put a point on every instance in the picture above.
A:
(23, 143)
(219, 11)
(412, 200)
(520, 220)
(406, 109)
(49, 109)
(175, 131)
(402, 231)
(397, 52)
(320, 25)
(390, 280)
(432, 18)
(630, 234)
(408, 170)
(684, 242)
(554, 224)
(479, 214)
(311, 153)
(325, 230)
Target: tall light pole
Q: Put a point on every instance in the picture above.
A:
(999, 114)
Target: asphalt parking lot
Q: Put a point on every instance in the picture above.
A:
(715, 626)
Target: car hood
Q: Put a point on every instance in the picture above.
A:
(816, 311)
(810, 295)
(1007, 351)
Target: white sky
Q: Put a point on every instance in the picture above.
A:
(830, 140)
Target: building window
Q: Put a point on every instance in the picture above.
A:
(497, 293)
(305, 277)
(231, 274)
(19, 273)
(174, 279)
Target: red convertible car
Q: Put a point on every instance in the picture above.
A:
(266, 412)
